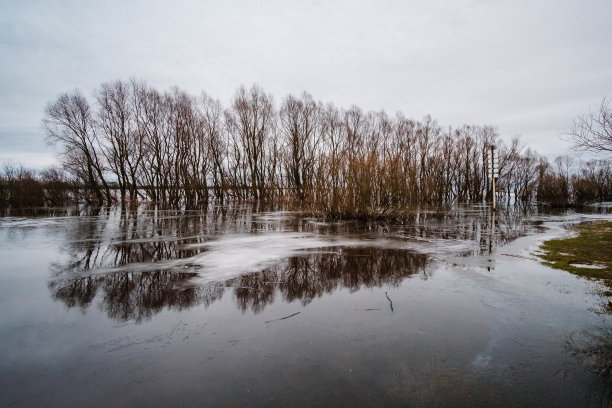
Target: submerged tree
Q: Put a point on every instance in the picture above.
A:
(69, 123)
(121, 142)
(174, 148)
(301, 128)
(251, 124)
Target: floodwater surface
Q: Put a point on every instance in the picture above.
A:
(235, 306)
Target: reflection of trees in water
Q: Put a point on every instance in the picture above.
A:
(138, 296)
(595, 348)
(475, 224)
(76, 292)
(309, 276)
(130, 296)
(114, 238)
(111, 238)
(134, 296)
(99, 244)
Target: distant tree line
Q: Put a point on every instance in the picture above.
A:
(132, 142)
(21, 188)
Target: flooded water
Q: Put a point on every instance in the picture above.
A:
(236, 306)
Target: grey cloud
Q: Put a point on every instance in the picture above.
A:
(525, 66)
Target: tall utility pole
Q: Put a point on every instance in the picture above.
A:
(492, 170)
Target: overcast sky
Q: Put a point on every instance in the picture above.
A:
(526, 67)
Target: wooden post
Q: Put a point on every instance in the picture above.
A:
(493, 170)
(492, 237)
(493, 187)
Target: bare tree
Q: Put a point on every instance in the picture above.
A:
(406, 148)
(120, 139)
(251, 122)
(68, 122)
(592, 132)
(599, 173)
(170, 146)
(301, 131)
(151, 110)
(212, 120)
(427, 133)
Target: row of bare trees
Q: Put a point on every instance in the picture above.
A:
(134, 142)
(21, 187)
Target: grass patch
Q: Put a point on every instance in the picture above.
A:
(592, 249)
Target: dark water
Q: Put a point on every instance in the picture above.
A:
(237, 306)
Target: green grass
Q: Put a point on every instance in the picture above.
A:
(592, 246)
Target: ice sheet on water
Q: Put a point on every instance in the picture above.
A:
(226, 256)
(19, 222)
(222, 245)
(233, 255)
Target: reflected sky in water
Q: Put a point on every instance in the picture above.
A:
(239, 306)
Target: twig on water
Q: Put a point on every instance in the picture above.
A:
(283, 318)
(390, 302)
